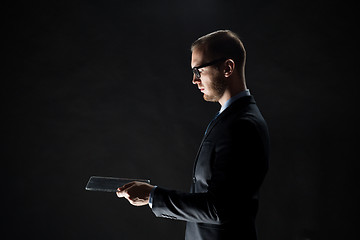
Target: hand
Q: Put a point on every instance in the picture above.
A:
(137, 193)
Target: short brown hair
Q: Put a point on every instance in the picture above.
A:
(222, 43)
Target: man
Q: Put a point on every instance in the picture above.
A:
(233, 156)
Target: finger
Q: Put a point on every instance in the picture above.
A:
(122, 193)
(119, 193)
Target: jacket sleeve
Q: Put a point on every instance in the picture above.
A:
(237, 172)
(191, 207)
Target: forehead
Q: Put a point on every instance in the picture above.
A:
(198, 57)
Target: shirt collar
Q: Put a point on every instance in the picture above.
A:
(241, 94)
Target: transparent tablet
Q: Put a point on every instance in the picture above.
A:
(109, 184)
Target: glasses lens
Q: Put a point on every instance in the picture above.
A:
(196, 72)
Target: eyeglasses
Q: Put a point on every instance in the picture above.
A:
(195, 70)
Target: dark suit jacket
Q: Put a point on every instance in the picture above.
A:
(229, 168)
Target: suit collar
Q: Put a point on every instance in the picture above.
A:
(241, 94)
(235, 106)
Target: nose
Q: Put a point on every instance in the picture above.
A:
(195, 79)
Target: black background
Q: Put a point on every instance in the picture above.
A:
(104, 88)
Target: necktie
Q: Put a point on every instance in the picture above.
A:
(217, 114)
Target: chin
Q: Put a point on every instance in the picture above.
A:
(210, 98)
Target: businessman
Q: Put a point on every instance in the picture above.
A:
(232, 159)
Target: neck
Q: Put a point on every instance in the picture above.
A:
(231, 91)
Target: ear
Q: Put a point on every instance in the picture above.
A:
(229, 67)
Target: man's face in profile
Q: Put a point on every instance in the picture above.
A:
(211, 83)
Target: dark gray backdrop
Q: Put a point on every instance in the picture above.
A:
(104, 88)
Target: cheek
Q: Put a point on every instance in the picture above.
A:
(209, 86)
(206, 82)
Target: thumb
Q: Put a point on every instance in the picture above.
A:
(127, 185)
